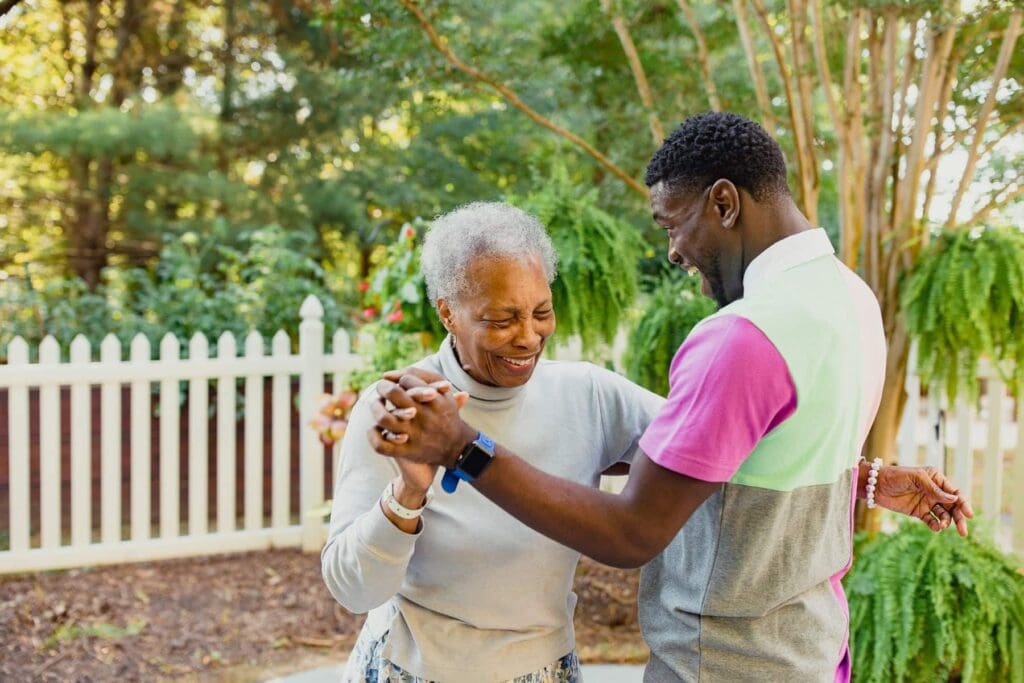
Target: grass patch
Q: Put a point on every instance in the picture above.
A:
(66, 632)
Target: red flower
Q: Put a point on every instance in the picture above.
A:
(364, 286)
(369, 313)
(395, 317)
(410, 233)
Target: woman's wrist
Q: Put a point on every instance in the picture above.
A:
(409, 495)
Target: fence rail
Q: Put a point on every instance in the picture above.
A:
(240, 413)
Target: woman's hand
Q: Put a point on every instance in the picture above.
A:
(418, 388)
(415, 480)
(417, 421)
(925, 493)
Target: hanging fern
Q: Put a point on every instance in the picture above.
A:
(674, 308)
(934, 607)
(965, 300)
(598, 256)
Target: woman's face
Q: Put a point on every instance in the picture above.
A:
(502, 321)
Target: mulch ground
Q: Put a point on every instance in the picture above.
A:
(232, 617)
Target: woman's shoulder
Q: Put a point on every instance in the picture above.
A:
(598, 379)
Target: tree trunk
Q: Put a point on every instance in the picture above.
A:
(881, 441)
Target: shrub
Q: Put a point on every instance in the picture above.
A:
(928, 607)
(674, 308)
(965, 300)
(598, 256)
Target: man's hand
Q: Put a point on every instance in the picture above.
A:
(424, 424)
(925, 493)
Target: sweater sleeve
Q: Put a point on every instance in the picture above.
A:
(626, 410)
(366, 556)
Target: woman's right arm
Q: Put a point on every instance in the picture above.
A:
(366, 555)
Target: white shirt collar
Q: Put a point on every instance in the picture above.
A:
(787, 253)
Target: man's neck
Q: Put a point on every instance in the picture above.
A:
(775, 223)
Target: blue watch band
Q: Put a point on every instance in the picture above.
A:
(451, 477)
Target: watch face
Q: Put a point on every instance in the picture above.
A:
(474, 460)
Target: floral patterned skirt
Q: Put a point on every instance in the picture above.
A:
(367, 664)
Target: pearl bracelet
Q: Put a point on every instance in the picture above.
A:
(876, 465)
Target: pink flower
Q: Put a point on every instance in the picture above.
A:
(395, 317)
(369, 313)
(331, 421)
(364, 286)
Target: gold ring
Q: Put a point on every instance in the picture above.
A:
(935, 517)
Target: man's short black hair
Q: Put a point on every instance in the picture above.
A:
(714, 145)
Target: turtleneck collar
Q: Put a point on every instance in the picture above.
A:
(482, 394)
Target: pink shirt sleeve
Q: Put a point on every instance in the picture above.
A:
(728, 387)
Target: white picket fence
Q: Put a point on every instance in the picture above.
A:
(981, 446)
(108, 542)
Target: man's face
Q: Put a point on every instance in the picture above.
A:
(694, 239)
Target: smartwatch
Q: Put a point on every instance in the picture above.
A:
(470, 464)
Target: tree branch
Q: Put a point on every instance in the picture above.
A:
(940, 131)
(1002, 64)
(702, 55)
(756, 73)
(512, 98)
(637, 67)
(7, 5)
(824, 72)
(808, 193)
(997, 202)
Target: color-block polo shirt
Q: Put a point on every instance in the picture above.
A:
(773, 396)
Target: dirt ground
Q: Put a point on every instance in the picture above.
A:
(242, 617)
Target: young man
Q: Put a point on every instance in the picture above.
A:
(741, 506)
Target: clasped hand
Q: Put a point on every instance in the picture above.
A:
(417, 418)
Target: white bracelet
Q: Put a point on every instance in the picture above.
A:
(400, 510)
(876, 465)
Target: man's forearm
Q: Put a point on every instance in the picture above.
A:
(597, 524)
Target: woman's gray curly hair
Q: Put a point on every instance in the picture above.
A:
(493, 229)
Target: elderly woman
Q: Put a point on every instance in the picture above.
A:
(456, 589)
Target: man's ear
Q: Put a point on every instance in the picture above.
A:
(725, 199)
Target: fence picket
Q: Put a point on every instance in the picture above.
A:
(281, 427)
(110, 443)
(992, 478)
(341, 345)
(198, 441)
(311, 452)
(963, 455)
(81, 449)
(1017, 484)
(17, 445)
(49, 451)
(226, 438)
(141, 415)
(254, 436)
(935, 435)
(170, 456)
